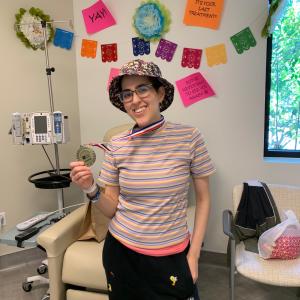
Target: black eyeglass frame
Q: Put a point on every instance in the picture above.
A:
(133, 91)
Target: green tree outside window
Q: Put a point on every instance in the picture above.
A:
(283, 98)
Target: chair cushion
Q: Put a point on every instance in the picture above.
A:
(273, 271)
(84, 295)
(82, 265)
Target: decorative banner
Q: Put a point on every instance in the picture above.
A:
(140, 46)
(88, 48)
(151, 20)
(97, 17)
(165, 50)
(114, 72)
(109, 52)
(193, 88)
(63, 38)
(243, 40)
(191, 58)
(216, 55)
(205, 13)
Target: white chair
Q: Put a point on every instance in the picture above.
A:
(251, 265)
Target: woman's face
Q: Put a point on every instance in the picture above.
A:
(143, 109)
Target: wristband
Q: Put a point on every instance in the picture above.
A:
(96, 197)
(91, 189)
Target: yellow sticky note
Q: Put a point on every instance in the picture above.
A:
(203, 13)
(216, 55)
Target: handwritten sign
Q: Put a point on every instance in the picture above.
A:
(97, 17)
(193, 88)
(204, 13)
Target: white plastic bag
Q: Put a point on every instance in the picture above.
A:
(281, 241)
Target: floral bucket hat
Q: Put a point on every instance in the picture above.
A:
(142, 68)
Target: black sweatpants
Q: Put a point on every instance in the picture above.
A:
(134, 276)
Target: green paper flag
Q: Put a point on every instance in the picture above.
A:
(243, 40)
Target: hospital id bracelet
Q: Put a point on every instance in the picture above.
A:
(91, 189)
(95, 197)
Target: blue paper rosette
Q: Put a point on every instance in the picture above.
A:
(151, 20)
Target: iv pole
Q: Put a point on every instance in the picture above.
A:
(60, 193)
(49, 70)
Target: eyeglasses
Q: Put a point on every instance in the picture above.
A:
(142, 91)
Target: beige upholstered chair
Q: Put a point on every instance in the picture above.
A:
(75, 267)
(251, 265)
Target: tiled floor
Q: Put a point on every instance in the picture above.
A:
(213, 284)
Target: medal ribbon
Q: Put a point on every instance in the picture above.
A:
(133, 133)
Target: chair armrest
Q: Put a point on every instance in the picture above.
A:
(227, 224)
(59, 236)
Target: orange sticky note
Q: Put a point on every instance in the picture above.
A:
(206, 13)
(216, 55)
(88, 48)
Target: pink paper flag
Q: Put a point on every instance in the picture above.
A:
(193, 88)
(113, 73)
(97, 17)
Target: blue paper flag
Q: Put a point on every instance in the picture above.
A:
(63, 38)
(140, 46)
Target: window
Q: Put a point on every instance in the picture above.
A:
(282, 109)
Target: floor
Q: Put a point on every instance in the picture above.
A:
(213, 283)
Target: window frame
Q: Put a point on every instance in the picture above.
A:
(267, 152)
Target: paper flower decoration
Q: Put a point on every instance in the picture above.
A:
(151, 20)
(29, 28)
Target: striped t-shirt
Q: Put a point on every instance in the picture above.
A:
(153, 172)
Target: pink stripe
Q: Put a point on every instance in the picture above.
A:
(170, 250)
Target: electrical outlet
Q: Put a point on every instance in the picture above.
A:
(2, 219)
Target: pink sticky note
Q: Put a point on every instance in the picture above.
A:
(97, 17)
(113, 73)
(193, 88)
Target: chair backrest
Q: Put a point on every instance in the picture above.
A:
(285, 197)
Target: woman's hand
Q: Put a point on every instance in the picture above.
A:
(193, 264)
(81, 174)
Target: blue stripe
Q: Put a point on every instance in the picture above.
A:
(149, 233)
(148, 243)
(153, 178)
(151, 223)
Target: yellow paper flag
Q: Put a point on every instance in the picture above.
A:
(216, 55)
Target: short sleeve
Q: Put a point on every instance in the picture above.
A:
(109, 174)
(201, 163)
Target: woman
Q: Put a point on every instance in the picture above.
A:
(148, 251)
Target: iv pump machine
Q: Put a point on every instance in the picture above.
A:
(40, 128)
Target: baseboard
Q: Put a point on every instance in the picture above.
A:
(214, 258)
(27, 255)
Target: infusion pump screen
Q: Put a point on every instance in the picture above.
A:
(40, 124)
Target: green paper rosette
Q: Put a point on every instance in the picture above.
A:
(29, 28)
(151, 20)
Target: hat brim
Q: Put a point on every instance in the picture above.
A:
(115, 86)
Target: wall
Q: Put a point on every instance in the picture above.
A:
(232, 121)
(24, 89)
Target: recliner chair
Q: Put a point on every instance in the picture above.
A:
(75, 267)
